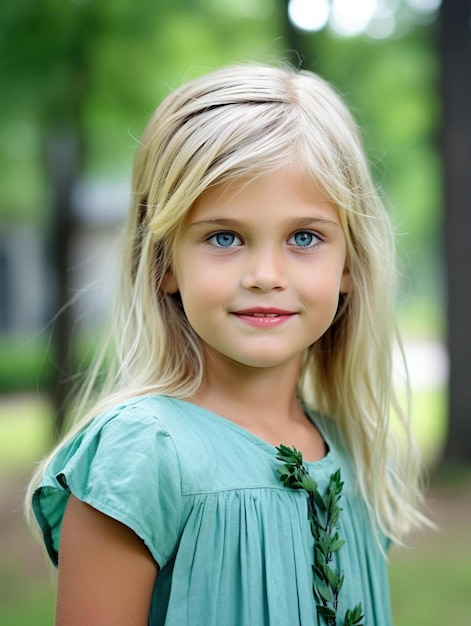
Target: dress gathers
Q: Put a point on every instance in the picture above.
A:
(233, 544)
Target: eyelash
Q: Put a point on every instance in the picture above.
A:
(315, 241)
(213, 236)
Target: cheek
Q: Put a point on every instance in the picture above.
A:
(201, 292)
(326, 283)
(209, 281)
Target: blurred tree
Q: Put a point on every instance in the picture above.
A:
(79, 74)
(51, 79)
(392, 89)
(300, 43)
(82, 76)
(456, 58)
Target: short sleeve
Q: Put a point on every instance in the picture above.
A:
(125, 465)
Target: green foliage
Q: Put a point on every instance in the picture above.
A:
(323, 514)
(25, 432)
(392, 88)
(24, 364)
(28, 363)
(35, 607)
(430, 582)
(104, 66)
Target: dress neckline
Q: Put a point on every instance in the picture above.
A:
(258, 441)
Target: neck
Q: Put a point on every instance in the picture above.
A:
(245, 394)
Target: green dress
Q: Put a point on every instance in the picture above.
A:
(233, 544)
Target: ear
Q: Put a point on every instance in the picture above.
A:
(169, 283)
(346, 281)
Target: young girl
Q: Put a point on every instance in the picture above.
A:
(255, 311)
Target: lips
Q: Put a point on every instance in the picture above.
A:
(262, 312)
(263, 318)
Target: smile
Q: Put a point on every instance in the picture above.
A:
(264, 318)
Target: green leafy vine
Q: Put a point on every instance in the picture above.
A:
(324, 513)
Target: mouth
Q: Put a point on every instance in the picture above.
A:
(259, 312)
(263, 318)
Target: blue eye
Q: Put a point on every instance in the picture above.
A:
(224, 239)
(304, 239)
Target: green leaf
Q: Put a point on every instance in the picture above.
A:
(336, 545)
(320, 558)
(353, 617)
(335, 517)
(330, 574)
(336, 478)
(290, 455)
(324, 538)
(339, 582)
(319, 500)
(319, 572)
(325, 611)
(324, 592)
(283, 471)
(323, 514)
(314, 529)
(309, 484)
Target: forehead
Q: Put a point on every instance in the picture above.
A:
(285, 189)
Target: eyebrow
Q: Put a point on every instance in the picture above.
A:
(295, 223)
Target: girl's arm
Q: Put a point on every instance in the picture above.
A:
(106, 573)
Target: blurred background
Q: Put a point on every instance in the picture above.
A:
(78, 81)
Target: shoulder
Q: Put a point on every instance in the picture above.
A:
(162, 413)
(119, 431)
(117, 464)
(137, 419)
(143, 438)
(339, 453)
(153, 410)
(328, 428)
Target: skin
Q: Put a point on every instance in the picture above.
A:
(259, 267)
(106, 573)
(271, 244)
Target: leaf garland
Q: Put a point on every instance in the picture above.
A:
(323, 512)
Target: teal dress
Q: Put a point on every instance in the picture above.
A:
(233, 544)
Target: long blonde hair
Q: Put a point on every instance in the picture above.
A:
(244, 121)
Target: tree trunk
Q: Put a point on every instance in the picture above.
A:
(65, 149)
(63, 169)
(456, 138)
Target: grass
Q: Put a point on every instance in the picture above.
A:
(26, 363)
(429, 423)
(25, 431)
(36, 605)
(429, 587)
(429, 583)
(25, 428)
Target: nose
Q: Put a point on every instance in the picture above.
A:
(265, 270)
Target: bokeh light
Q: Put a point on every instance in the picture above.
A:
(383, 23)
(310, 15)
(377, 19)
(351, 18)
(425, 6)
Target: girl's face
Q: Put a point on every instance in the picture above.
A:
(259, 266)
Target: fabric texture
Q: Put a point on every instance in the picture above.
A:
(233, 544)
